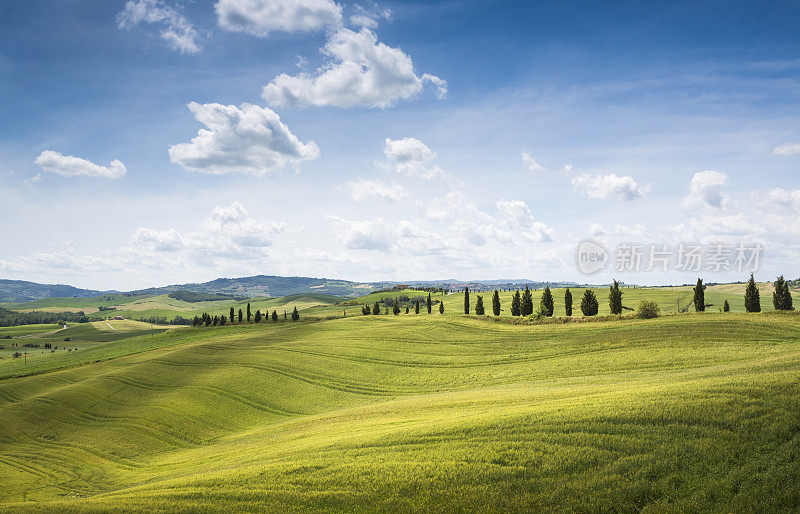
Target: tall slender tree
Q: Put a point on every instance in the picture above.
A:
(274, 316)
(782, 297)
(496, 303)
(527, 302)
(568, 302)
(752, 298)
(547, 304)
(726, 307)
(699, 296)
(240, 315)
(258, 316)
(416, 306)
(516, 304)
(466, 300)
(376, 309)
(428, 303)
(248, 312)
(295, 314)
(615, 298)
(232, 314)
(441, 307)
(395, 307)
(479, 310)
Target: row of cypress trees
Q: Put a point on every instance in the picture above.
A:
(208, 320)
(781, 297)
(376, 308)
(522, 302)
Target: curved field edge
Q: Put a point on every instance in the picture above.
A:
(679, 413)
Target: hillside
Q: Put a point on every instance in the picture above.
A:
(681, 413)
(23, 291)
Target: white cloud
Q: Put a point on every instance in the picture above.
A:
(69, 166)
(520, 221)
(364, 190)
(607, 187)
(596, 229)
(161, 240)
(176, 30)
(529, 162)
(411, 157)
(234, 223)
(35, 179)
(364, 235)
(260, 17)
(705, 190)
(361, 72)
(787, 149)
(368, 17)
(248, 140)
(787, 199)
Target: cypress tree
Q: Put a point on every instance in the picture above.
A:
(407, 309)
(547, 305)
(615, 298)
(479, 306)
(416, 306)
(295, 314)
(222, 320)
(441, 307)
(365, 310)
(429, 303)
(782, 298)
(232, 315)
(752, 298)
(589, 305)
(396, 308)
(466, 300)
(726, 307)
(285, 317)
(240, 315)
(527, 302)
(248, 312)
(376, 309)
(258, 316)
(496, 303)
(516, 304)
(274, 316)
(699, 296)
(568, 302)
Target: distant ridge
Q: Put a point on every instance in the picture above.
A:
(23, 291)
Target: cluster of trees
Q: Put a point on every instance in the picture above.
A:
(162, 320)
(193, 297)
(781, 297)
(13, 318)
(239, 317)
(394, 305)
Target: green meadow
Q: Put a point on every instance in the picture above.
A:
(686, 412)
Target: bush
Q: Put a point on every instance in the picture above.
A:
(648, 310)
(66, 339)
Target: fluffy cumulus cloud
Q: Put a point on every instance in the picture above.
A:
(176, 30)
(411, 157)
(249, 140)
(364, 190)
(705, 190)
(360, 72)
(260, 17)
(787, 149)
(169, 240)
(529, 162)
(608, 187)
(369, 16)
(364, 235)
(520, 220)
(70, 166)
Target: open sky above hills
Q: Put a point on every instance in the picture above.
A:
(160, 141)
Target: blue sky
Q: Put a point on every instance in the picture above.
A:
(392, 140)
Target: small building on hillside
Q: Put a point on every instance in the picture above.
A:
(117, 317)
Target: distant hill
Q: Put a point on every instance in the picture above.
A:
(23, 291)
(270, 285)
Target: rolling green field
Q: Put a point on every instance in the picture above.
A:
(681, 413)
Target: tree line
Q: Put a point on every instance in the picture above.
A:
(522, 302)
(242, 317)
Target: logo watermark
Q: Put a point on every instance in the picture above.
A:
(592, 257)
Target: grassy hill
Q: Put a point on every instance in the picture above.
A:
(681, 413)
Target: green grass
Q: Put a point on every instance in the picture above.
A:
(680, 413)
